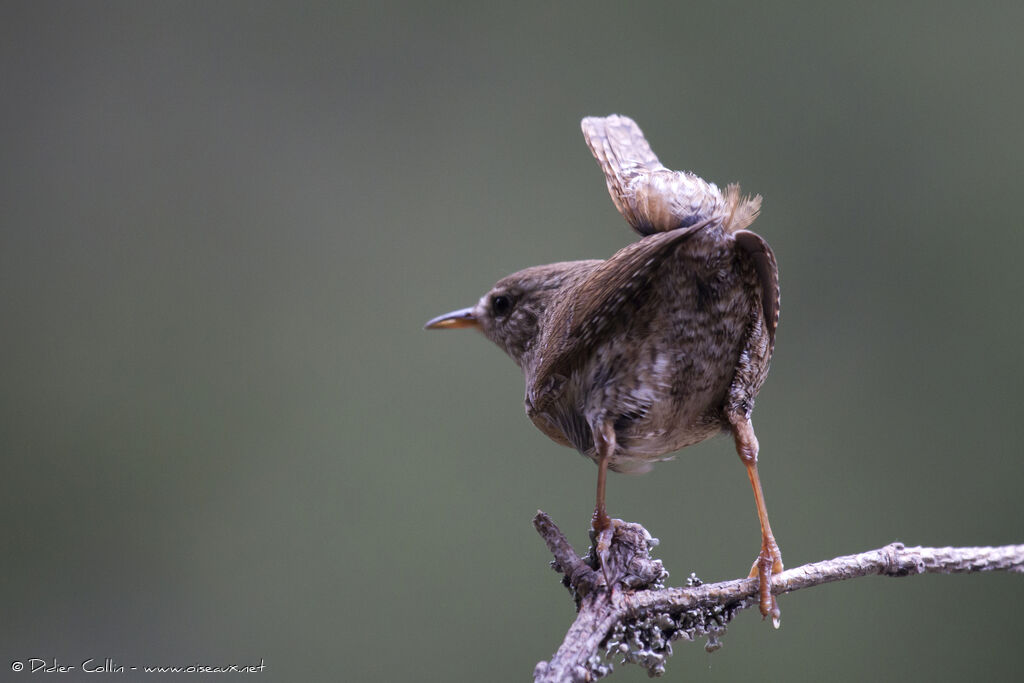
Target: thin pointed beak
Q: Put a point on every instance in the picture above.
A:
(449, 321)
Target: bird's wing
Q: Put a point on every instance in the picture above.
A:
(649, 196)
(767, 272)
(578, 320)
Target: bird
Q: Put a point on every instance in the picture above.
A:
(661, 346)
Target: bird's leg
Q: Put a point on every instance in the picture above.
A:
(600, 521)
(604, 442)
(769, 560)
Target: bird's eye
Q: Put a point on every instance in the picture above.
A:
(501, 305)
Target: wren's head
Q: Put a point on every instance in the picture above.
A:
(512, 313)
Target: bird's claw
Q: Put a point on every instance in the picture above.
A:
(602, 547)
(767, 564)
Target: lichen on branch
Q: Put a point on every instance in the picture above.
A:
(637, 620)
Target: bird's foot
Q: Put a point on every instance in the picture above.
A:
(602, 539)
(600, 521)
(767, 564)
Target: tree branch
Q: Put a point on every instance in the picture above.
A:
(637, 620)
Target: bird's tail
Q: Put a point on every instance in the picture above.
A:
(740, 211)
(651, 197)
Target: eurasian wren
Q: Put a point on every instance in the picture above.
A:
(661, 346)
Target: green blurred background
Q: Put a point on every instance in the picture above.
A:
(225, 436)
